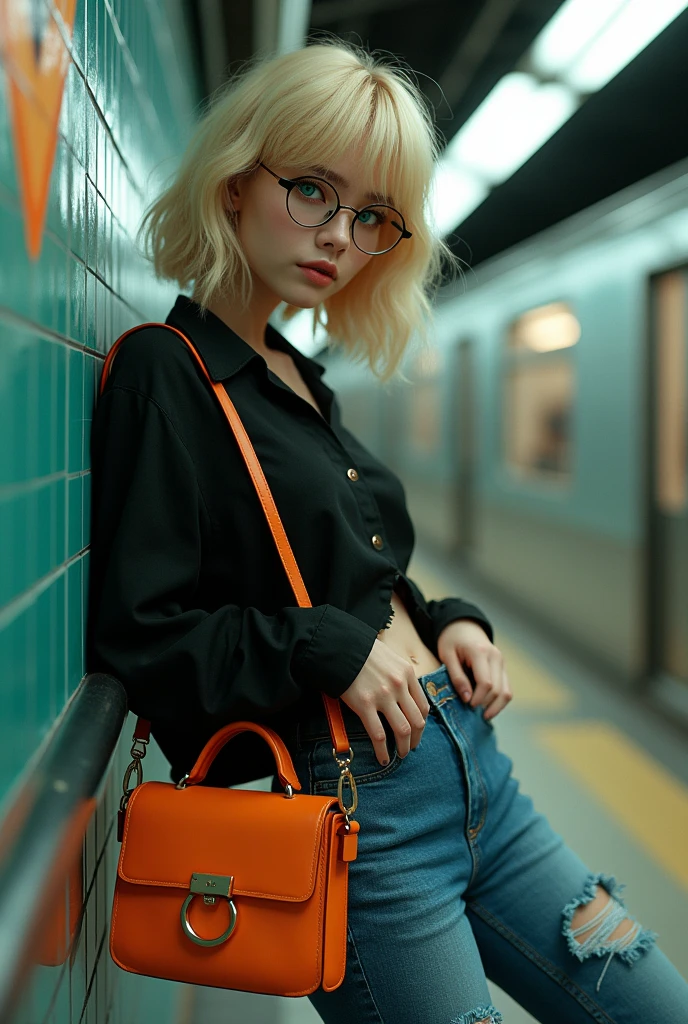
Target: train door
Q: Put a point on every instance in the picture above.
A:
(668, 548)
(465, 447)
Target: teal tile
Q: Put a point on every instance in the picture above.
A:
(90, 141)
(57, 213)
(100, 235)
(23, 1013)
(44, 982)
(10, 659)
(45, 678)
(75, 424)
(58, 423)
(58, 640)
(86, 567)
(92, 43)
(23, 692)
(41, 284)
(79, 35)
(61, 1008)
(17, 294)
(91, 224)
(7, 406)
(41, 537)
(86, 478)
(92, 366)
(77, 977)
(79, 235)
(7, 549)
(101, 143)
(8, 172)
(18, 541)
(42, 413)
(77, 302)
(75, 513)
(58, 547)
(74, 598)
(61, 292)
(90, 307)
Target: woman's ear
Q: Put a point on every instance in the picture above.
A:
(232, 197)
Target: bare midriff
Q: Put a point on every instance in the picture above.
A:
(402, 636)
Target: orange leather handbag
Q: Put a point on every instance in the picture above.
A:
(236, 888)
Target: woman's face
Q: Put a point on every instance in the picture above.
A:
(276, 247)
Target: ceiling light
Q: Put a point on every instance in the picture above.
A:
(634, 27)
(455, 194)
(570, 32)
(517, 117)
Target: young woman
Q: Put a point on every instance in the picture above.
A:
(306, 183)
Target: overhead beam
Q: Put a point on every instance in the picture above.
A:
(474, 47)
(336, 10)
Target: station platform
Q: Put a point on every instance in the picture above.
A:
(610, 775)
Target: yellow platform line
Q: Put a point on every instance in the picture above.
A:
(650, 802)
(533, 687)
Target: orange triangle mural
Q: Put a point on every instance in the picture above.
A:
(36, 62)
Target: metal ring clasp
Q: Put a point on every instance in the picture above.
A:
(345, 773)
(210, 887)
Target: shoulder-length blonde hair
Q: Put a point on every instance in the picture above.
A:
(311, 106)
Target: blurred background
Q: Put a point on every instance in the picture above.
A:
(542, 439)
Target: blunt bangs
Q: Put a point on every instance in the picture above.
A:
(311, 106)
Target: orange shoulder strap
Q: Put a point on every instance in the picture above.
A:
(332, 706)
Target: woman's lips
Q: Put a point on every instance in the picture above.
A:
(317, 276)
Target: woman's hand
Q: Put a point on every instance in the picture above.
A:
(387, 685)
(464, 642)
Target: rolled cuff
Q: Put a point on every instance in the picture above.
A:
(336, 653)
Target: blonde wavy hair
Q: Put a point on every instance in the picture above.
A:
(311, 106)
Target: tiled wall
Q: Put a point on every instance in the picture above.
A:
(128, 104)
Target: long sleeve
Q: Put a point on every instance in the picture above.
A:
(144, 623)
(441, 613)
(452, 608)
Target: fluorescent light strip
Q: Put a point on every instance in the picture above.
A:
(586, 44)
(633, 28)
(570, 32)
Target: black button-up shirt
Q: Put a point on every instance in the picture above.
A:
(189, 604)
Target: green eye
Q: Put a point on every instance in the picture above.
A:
(372, 218)
(309, 190)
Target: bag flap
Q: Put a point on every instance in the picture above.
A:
(269, 843)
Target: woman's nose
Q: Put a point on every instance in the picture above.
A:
(337, 231)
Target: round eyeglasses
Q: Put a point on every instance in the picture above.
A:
(311, 202)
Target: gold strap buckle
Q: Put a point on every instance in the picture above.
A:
(138, 752)
(345, 773)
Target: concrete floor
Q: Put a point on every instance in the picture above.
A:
(592, 759)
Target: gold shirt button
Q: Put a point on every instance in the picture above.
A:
(377, 541)
(352, 474)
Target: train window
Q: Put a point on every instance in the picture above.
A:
(539, 392)
(545, 329)
(424, 413)
(671, 331)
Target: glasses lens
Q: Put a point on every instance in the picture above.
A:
(311, 202)
(377, 229)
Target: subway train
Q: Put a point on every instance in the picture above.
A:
(541, 438)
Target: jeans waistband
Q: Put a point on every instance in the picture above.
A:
(315, 726)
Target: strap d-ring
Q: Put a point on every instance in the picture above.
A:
(210, 887)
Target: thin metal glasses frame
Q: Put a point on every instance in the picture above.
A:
(290, 183)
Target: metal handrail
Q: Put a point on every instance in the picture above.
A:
(44, 826)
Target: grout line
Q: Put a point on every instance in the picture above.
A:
(18, 605)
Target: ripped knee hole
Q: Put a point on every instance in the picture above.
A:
(596, 924)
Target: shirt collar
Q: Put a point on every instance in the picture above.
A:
(222, 350)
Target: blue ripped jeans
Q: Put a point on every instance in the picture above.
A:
(459, 878)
